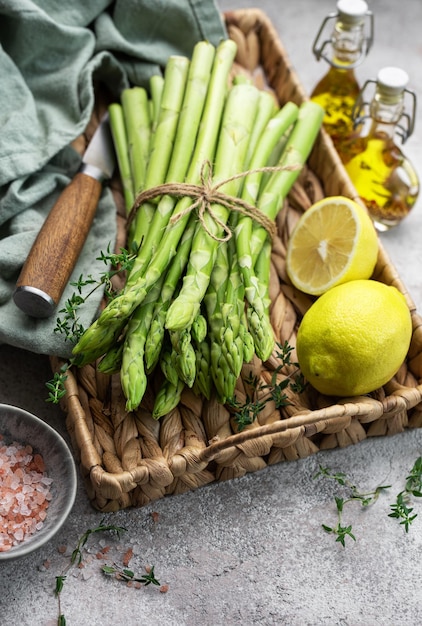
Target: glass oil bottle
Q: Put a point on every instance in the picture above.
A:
(383, 176)
(349, 43)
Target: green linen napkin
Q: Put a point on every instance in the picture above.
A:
(51, 54)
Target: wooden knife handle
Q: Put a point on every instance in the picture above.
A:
(56, 249)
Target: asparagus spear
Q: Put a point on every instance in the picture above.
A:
(162, 143)
(199, 328)
(121, 146)
(296, 152)
(203, 380)
(167, 398)
(136, 113)
(112, 361)
(262, 271)
(266, 110)
(238, 119)
(157, 330)
(225, 354)
(156, 85)
(184, 356)
(132, 373)
(168, 366)
(213, 301)
(232, 343)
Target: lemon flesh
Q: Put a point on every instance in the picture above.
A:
(333, 242)
(354, 338)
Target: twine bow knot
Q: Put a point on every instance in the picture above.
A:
(207, 194)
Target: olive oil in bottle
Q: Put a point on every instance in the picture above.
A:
(349, 43)
(383, 176)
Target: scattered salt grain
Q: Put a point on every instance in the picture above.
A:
(24, 493)
(86, 574)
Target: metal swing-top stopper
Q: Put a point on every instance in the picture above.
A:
(348, 38)
(387, 103)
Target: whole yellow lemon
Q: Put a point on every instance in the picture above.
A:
(354, 338)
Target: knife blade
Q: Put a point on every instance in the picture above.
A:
(57, 247)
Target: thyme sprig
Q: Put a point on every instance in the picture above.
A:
(77, 554)
(295, 380)
(247, 412)
(340, 530)
(69, 323)
(56, 386)
(127, 575)
(76, 559)
(401, 509)
(414, 480)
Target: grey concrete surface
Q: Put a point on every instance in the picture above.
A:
(252, 550)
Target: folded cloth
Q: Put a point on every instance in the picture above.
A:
(52, 54)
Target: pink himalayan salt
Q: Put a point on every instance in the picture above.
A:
(24, 493)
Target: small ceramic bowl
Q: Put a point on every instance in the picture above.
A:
(24, 428)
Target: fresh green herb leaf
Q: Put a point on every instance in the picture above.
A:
(59, 584)
(149, 578)
(76, 558)
(401, 509)
(123, 261)
(245, 414)
(365, 499)
(77, 554)
(414, 480)
(128, 575)
(69, 323)
(56, 386)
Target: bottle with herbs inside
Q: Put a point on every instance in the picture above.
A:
(383, 176)
(350, 31)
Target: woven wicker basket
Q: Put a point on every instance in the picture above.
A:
(129, 459)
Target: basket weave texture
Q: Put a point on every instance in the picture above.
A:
(129, 459)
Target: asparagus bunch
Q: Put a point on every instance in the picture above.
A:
(195, 306)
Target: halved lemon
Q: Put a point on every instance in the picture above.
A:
(333, 242)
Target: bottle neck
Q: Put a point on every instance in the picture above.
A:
(385, 113)
(347, 44)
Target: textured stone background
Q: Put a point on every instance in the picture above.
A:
(251, 551)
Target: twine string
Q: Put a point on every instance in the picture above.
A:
(206, 194)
